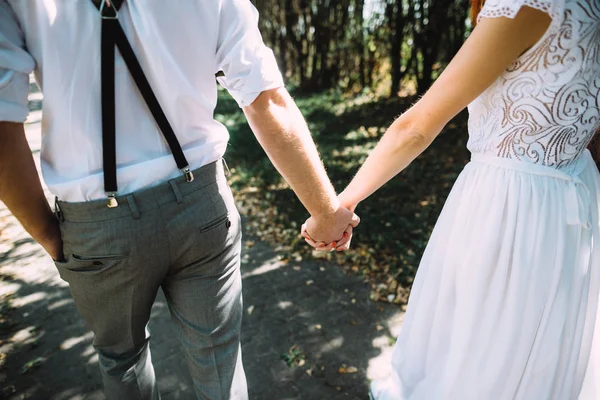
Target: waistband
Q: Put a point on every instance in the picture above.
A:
(569, 173)
(577, 195)
(147, 199)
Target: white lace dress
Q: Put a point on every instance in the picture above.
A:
(505, 300)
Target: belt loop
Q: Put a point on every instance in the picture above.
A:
(57, 211)
(135, 213)
(176, 191)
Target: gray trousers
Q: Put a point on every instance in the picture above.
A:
(183, 237)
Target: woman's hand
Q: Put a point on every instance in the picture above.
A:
(332, 231)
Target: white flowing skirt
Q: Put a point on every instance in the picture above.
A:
(505, 300)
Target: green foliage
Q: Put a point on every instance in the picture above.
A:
(294, 357)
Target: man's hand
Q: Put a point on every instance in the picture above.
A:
(332, 231)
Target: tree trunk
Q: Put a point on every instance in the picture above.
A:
(397, 31)
(360, 42)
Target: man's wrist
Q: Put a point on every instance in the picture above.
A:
(49, 237)
(45, 228)
(328, 212)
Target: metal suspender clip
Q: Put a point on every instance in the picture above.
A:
(112, 200)
(189, 175)
(57, 211)
(112, 12)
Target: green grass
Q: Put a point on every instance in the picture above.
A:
(396, 221)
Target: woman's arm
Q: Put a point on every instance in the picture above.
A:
(494, 44)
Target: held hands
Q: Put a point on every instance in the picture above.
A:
(332, 231)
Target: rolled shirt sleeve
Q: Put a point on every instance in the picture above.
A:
(248, 65)
(15, 66)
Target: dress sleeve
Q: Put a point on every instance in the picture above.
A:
(249, 67)
(510, 8)
(15, 66)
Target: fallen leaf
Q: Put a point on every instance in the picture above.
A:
(344, 369)
(30, 365)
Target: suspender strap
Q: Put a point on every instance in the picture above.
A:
(107, 61)
(113, 34)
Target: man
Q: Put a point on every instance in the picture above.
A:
(160, 228)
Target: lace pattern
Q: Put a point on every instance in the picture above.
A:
(545, 108)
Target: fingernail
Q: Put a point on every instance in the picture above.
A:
(345, 234)
(333, 244)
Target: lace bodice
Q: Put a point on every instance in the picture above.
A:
(545, 108)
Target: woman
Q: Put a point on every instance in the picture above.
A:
(505, 300)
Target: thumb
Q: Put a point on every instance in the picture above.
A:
(355, 220)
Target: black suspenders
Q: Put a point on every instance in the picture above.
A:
(113, 34)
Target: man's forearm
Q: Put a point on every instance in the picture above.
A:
(21, 190)
(284, 135)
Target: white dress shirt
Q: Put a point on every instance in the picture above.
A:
(180, 45)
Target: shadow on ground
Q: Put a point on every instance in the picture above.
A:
(303, 322)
